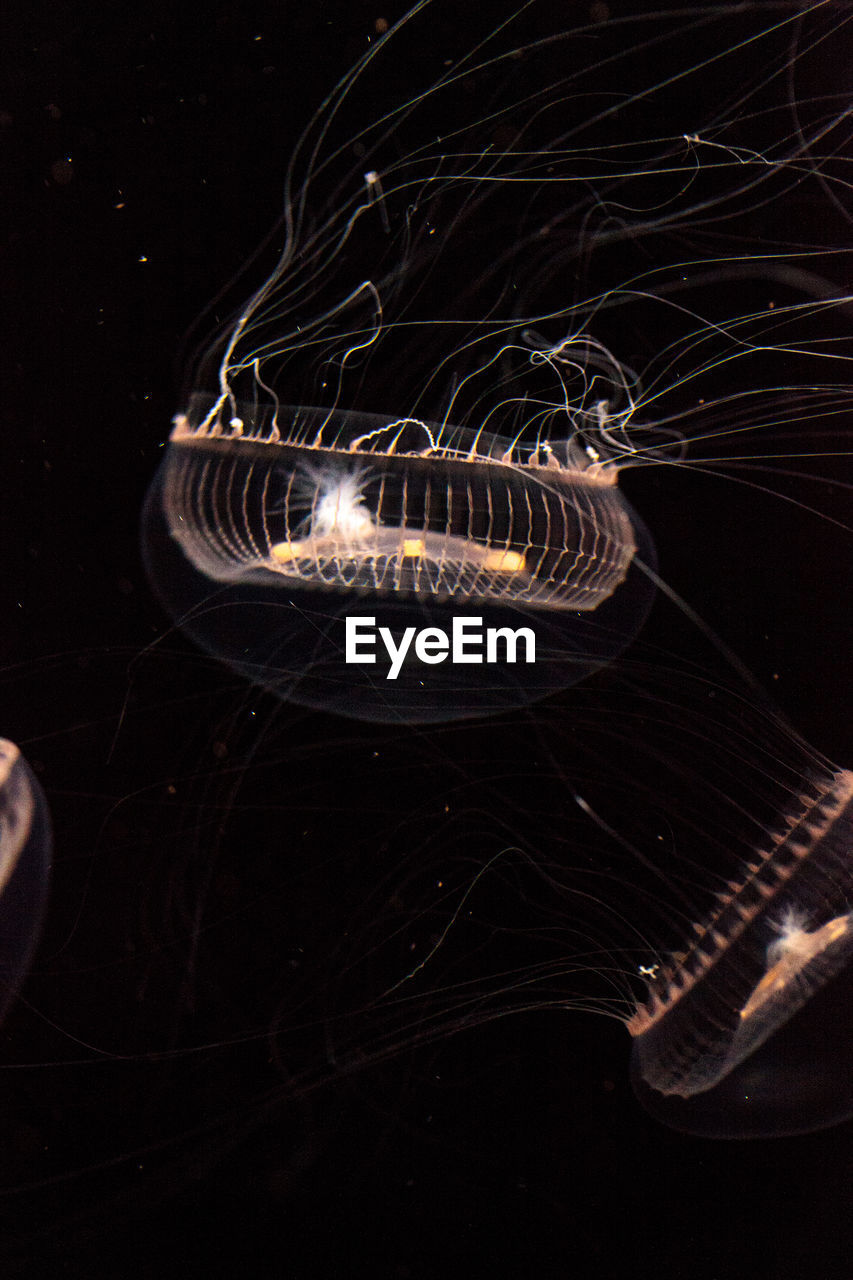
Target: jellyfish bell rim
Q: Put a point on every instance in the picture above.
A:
(371, 434)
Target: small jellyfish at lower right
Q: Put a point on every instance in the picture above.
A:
(746, 1033)
(25, 856)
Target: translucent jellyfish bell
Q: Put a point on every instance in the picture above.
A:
(25, 854)
(393, 569)
(747, 1032)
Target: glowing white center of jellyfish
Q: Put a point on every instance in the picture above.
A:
(339, 508)
(794, 939)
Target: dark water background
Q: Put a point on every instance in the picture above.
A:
(185, 1090)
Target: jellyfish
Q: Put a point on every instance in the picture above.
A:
(393, 488)
(544, 291)
(25, 854)
(395, 569)
(745, 1032)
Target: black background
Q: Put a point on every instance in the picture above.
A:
(171, 1103)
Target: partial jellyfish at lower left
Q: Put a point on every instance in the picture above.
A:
(26, 846)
